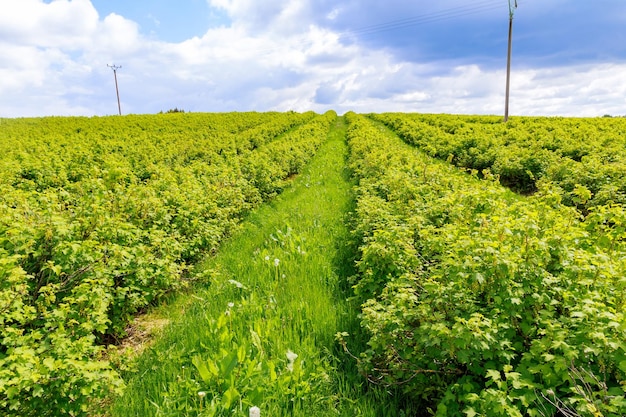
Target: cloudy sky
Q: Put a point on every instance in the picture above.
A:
(446, 56)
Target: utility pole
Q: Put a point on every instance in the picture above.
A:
(115, 68)
(508, 60)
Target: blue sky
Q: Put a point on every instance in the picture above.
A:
(167, 20)
(569, 56)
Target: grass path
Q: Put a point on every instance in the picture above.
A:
(261, 333)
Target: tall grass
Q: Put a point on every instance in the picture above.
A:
(261, 332)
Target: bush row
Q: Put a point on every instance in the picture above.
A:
(568, 152)
(479, 302)
(78, 259)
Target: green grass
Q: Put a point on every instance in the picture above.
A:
(278, 286)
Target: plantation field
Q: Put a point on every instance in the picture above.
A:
(100, 218)
(480, 301)
(376, 265)
(569, 153)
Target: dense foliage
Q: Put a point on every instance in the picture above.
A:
(478, 301)
(99, 217)
(569, 152)
(475, 300)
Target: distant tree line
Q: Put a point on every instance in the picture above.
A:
(174, 110)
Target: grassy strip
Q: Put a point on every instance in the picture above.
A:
(262, 333)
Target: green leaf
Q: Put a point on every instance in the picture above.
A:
(231, 395)
(212, 368)
(242, 353)
(49, 363)
(494, 374)
(204, 372)
(227, 364)
(256, 342)
(470, 412)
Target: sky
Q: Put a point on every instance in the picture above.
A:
(446, 56)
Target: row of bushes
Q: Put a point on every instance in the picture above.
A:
(78, 260)
(526, 151)
(477, 301)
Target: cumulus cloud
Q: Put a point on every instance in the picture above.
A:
(581, 90)
(273, 55)
(52, 55)
(268, 16)
(60, 24)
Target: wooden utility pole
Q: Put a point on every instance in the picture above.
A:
(117, 91)
(508, 60)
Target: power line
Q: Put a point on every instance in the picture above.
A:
(440, 15)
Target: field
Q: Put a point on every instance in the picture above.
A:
(307, 264)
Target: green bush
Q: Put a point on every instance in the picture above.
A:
(99, 219)
(525, 151)
(480, 302)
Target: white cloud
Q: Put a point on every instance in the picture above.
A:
(334, 13)
(154, 20)
(49, 51)
(272, 57)
(117, 36)
(582, 90)
(60, 24)
(278, 17)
